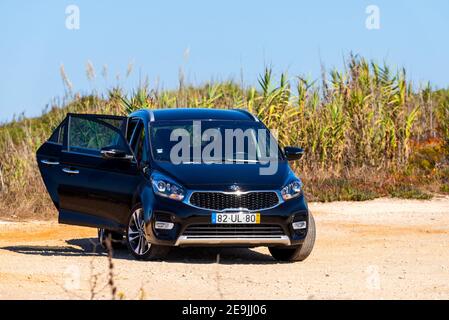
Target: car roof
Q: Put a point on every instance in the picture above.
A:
(196, 114)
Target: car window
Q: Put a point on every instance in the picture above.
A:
(54, 136)
(252, 148)
(137, 141)
(91, 135)
(140, 146)
(58, 135)
(131, 128)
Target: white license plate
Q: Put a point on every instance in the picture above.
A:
(235, 217)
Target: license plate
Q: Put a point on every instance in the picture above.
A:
(235, 217)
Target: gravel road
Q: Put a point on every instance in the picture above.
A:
(380, 249)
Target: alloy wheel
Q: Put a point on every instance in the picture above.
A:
(136, 233)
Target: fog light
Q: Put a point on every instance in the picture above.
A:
(163, 225)
(299, 225)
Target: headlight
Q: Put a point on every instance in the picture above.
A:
(291, 190)
(166, 187)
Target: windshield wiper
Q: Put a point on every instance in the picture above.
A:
(243, 160)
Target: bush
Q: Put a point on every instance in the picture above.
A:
(409, 192)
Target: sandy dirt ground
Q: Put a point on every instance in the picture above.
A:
(381, 249)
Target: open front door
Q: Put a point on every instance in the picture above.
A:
(48, 160)
(91, 186)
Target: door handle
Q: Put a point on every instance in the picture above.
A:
(70, 171)
(50, 163)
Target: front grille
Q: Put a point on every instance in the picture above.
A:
(234, 231)
(257, 200)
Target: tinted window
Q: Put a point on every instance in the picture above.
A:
(58, 135)
(140, 148)
(131, 128)
(136, 139)
(94, 135)
(54, 136)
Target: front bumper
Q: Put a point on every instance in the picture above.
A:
(183, 216)
(239, 241)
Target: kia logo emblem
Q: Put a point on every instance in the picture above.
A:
(234, 187)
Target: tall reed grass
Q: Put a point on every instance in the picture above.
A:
(366, 130)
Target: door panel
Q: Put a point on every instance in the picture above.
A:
(102, 188)
(93, 190)
(48, 161)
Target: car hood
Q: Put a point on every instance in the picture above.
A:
(222, 176)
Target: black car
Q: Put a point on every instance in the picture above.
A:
(131, 178)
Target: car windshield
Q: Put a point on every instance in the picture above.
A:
(212, 141)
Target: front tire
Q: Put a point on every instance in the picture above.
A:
(136, 238)
(297, 253)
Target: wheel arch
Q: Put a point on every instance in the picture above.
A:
(145, 196)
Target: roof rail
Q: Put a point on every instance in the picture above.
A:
(248, 113)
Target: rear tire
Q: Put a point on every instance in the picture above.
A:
(136, 238)
(297, 253)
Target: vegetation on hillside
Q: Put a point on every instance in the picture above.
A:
(367, 131)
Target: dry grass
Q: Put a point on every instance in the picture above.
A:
(366, 132)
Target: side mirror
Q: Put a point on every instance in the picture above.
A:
(293, 153)
(112, 153)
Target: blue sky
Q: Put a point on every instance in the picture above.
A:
(225, 39)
